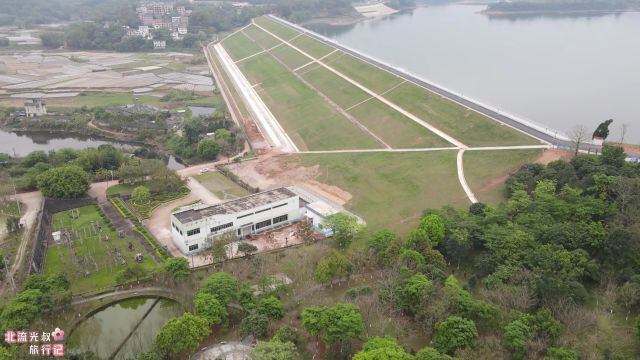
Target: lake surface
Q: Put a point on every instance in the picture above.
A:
(104, 331)
(556, 71)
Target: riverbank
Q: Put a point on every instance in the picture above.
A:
(503, 13)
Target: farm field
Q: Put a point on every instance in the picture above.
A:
(310, 121)
(390, 189)
(90, 261)
(486, 171)
(221, 186)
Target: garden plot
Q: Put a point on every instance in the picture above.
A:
(90, 251)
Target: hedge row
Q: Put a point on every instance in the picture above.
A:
(139, 228)
(142, 231)
(105, 219)
(236, 179)
(124, 212)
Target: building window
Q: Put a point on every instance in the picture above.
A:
(220, 227)
(277, 206)
(193, 232)
(263, 210)
(193, 247)
(262, 224)
(245, 215)
(280, 218)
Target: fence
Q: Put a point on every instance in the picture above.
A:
(43, 234)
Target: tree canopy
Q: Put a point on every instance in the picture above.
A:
(66, 182)
(182, 335)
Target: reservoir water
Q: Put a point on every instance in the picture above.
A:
(558, 71)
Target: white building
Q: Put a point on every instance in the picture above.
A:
(143, 31)
(159, 44)
(35, 107)
(247, 216)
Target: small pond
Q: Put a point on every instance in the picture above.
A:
(105, 331)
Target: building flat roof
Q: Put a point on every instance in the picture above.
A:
(235, 206)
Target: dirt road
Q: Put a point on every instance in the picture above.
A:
(32, 204)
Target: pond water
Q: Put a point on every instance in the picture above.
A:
(106, 330)
(560, 71)
(22, 143)
(201, 110)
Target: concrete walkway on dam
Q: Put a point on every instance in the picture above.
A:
(547, 135)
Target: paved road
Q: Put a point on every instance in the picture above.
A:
(226, 351)
(544, 136)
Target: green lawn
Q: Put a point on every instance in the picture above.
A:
(394, 128)
(486, 171)
(336, 88)
(309, 120)
(263, 39)
(391, 189)
(467, 126)
(120, 188)
(290, 57)
(375, 79)
(94, 264)
(240, 46)
(284, 32)
(312, 46)
(221, 186)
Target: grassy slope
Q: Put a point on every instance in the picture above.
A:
(391, 189)
(262, 38)
(336, 88)
(290, 57)
(486, 171)
(311, 46)
(465, 125)
(59, 259)
(240, 46)
(281, 31)
(368, 75)
(308, 119)
(394, 128)
(221, 186)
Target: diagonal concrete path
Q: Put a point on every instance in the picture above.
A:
(404, 112)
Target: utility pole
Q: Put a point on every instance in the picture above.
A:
(15, 196)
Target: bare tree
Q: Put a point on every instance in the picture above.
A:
(578, 136)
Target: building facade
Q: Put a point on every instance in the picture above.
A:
(193, 229)
(35, 107)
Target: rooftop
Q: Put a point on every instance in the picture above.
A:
(236, 205)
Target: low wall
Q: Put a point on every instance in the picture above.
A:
(44, 229)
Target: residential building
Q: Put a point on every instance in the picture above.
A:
(193, 229)
(35, 107)
(159, 44)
